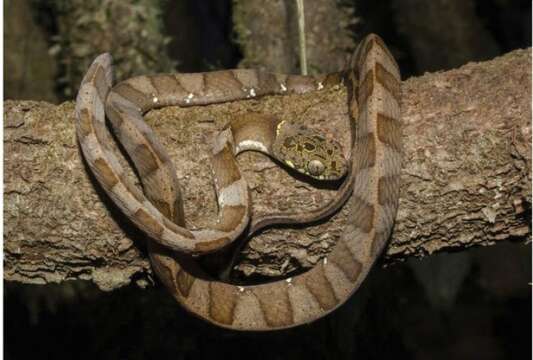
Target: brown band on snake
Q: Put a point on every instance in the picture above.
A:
(128, 100)
(275, 305)
(85, 125)
(386, 127)
(222, 310)
(93, 139)
(387, 80)
(317, 284)
(153, 226)
(317, 292)
(330, 283)
(365, 88)
(387, 58)
(184, 281)
(386, 196)
(108, 176)
(345, 261)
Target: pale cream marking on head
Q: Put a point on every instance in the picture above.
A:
(251, 145)
(251, 92)
(278, 127)
(283, 87)
(289, 281)
(233, 195)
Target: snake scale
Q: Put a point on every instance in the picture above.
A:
(373, 180)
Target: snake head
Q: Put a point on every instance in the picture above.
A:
(310, 153)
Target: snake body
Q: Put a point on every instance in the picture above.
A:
(373, 177)
(159, 211)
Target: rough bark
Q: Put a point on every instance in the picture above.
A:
(466, 179)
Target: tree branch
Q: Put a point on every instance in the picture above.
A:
(466, 179)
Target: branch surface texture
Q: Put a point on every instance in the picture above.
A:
(466, 179)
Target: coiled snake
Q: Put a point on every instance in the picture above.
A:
(373, 175)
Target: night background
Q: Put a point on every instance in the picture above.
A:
(461, 305)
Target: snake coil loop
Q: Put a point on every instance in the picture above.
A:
(373, 176)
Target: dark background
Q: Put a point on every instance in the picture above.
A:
(474, 304)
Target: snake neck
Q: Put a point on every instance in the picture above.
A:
(254, 132)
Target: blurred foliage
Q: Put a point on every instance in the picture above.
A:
(24, 41)
(130, 30)
(197, 44)
(267, 33)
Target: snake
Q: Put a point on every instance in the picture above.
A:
(372, 180)
(158, 212)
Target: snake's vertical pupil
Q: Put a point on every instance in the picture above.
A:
(315, 167)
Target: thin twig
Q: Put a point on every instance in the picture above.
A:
(301, 36)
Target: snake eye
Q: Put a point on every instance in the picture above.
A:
(315, 167)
